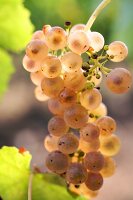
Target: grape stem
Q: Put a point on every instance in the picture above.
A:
(30, 187)
(95, 14)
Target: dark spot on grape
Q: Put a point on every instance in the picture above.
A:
(35, 51)
(77, 186)
(51, 160)
(87, 134)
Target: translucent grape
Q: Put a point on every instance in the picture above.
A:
(57, 162)
(51, 67)
(37, 77)
(56, 38)
(51, 143)
(46, 28)
(96, 41)
(68, 143)
(117, 51)
(67, 97)
(30, 65)
(109, 145)
(94, 181)
(52, 86)
(78, 42)
(77, 27)
(119, 80)
(55, 106)
(86, 192)
(100, 111)
(94, 161)
(76, 116)
(40, 96)
(38, 35)
(108, 168)
(57, 126)
(86, 147)
(76, 173)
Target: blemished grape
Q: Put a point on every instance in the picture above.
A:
(108, 168)
(76, 173)
(52, 86)
(94, 181)
(55, 106)
(91, 99)
(86, 147)
(100, 111)
(57, 162)
(68, 143)
(30, 65)
(71, 62)
(76, 116)
(96, 41)
(74, 189)
(117, 51)
(37, 77)
(51, 67)
(56, 38)
(86, 192)
(67, 97)
(57, 126)
(78, 42)
(94, 161)
(109, 145)
(38, 35)
(89, 132)
(77, 27)
(40, 96)
(51, 143)
(119, 80)
(37, 50)
(107, 125)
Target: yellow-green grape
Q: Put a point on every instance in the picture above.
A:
(96, 41)
(67, 97)
(37, 77)
(76, 116)
(74, 189)
(51, 67)
(40, 96)
(51, 143)
(91, 99)
(38, 35)
(86, 147)
(96, 79)
(76, 173)
(57, 162)
(55, 106)
(52, 86)
(75, 81)
(71, 62)
(89, 132)
(119, 80)
(117, 51)
(110, 145)
(94, 161)
(108, 168)
(78, 42)
(100, 111)
(57, 126)
(30, 65)
(68, 143)
(56, 38)
(107, 125)
(37, 50)
(86, 192)
(94, 181)
(77, 27)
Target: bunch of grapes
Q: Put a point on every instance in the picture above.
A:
(67, 66)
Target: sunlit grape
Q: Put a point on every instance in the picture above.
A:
(100, 111)
(74, 189)
(86, 192)
(51, 143)
(46, 28)
(108, 168)
(96, 41)
(67, 97)
(40, 96)
(55, 106)
(94, 181)
(77, 27)
(86, 147)
(38, 35)
(30, 65)
(37, 77)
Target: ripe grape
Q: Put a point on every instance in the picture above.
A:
(119, 80)
(109, 145)
(74, 189)
(96, 41)
(57, 162)
(67, 97)
(40, 96)
(37, 77)
(57, 126)
(108, 168)
(51, 143)
(86, 147)
(51, 67)
(76, 116)
(52, 86)
(91, 99)
(117, 51)
(94, 181)
(56, 38)
(77, 27)
(68, 143)
(76, 173)
(94, 161)
(55, 106)
(89, 132)
(100, 111)
(30, 65)
(86, 192)
(78, 42)
(46, 28)
(38, 35)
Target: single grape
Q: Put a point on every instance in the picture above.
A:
(52, 86)
(77, 27)
(94, 161)
(56, 38)
(55, 106)
(67, 97)
(68, 143)
(96, 41)
(86, 192)
(94, 181)
(119, 80)
(86, 147)
(76, 116)
(76, 173)
(57, 162)
(117, 51)
(91, 99)
(46, 28)
(78, 42)
(57, 126)
(40, 96)
(38, 35)
(30, 65)
(74, 189)
(51, 143)
(89, 132)
(108, 168)
(71, 62)
(109, 145)
(37, 77)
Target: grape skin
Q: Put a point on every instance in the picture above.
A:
(37, 77)
(51, 143)
(30, 65)
(86, 192)
(108, 168)
(38, 35)
(77, 27)
(40, 96)
(55, 106)
(94, 181)
(86, 147)
(96, 41)
(67, 97)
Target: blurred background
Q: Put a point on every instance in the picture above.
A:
(23, 120)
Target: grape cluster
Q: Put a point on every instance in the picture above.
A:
(67, 67)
